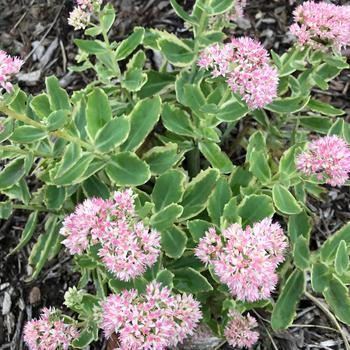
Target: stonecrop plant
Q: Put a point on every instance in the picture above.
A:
(138, 184)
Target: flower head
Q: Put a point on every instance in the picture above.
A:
(79, 18)
(328, 158)
(153, 320)
(49, 332)
(88, 4)
(246, 66)
(238, 10)
(239, 330)
(247, 259)
(128, 249)
(322, 25)
(8, 67)
(127, 246)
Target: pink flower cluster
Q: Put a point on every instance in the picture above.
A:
(154, 320)
(8, 67)
(79, 18)
(239, 330)
(49, 332)
(127, 246)
(245, 64)
(245, 260)
(322, 25)
(238, 9)
(328, 158)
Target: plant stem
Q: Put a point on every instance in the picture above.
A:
(9, 148)
(58, 133)
(33, 208)
(331, 317)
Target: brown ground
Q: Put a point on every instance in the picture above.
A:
(26, 24)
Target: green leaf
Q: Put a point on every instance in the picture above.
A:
(98, 112)
(318, 124)
(337, 128)
(6, 209)
(239, 178)
(176, 52)
(218, 7)
(40, 104)
(27, 232)
(54, 197)
(197, 192)
(162, 158)
(182, 13)
(173, 241)
(285, 201)
(230, 213)
(27, 134)
(143, 118)
(93, 47)
(57, 120)
(165, 278)
(198, 228)
(232, 111)
(329, 247)
(188, 280)
(127, 46)
(169, 188)
(94, 187)
(287, 162)
(341, 258)
(218, 159)
(58, 97)
(194, 97)
(299, 225)
(218, 199)
(18, 102)
(259, 165)
(320, 277)
(337, 297)
(254, 208)
(86, 337)
(113, 134)
(126, 169)
(12, 173)
(288, 104)
(324, 108)
(156, 83)
(74, 173)
(285, 309)
(45, 247)
(134, 79)
(301, 253)
(108, 17)
(70, 156)
(177, 120)
(166, 217)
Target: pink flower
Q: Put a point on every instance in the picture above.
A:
(322, 25)
(246, 66)
(127, 250)
(88, 4)
(8, 67)
(127, 246)
(79, 18)
(49, 332)
(238, 331)
(247, 260)
(328, 158)
(154, 320)
(238, 9)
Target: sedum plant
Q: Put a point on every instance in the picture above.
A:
(136, 179)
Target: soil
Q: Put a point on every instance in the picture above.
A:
(37, 30)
